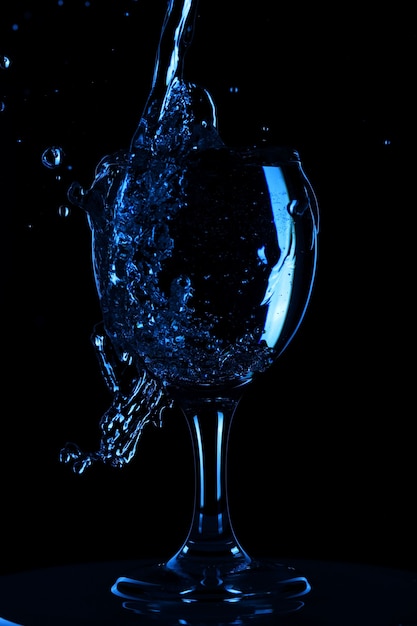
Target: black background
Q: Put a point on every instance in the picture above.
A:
(322, 452)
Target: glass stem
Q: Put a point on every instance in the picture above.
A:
(211, 537)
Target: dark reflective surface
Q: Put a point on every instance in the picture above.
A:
(342, 594)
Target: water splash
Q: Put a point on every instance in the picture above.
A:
(138, 399)
(138, 396)
(194, 253)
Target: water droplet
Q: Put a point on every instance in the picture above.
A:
(64, 211)
(52, 157)
(4, 62)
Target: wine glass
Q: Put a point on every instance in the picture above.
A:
(204, 258)
(251, 281)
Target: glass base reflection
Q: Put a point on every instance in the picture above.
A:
(212, 593)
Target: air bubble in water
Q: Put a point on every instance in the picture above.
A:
(52, 157)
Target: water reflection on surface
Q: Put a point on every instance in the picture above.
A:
(342, 594)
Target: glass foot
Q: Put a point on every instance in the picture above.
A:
(257, 591)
